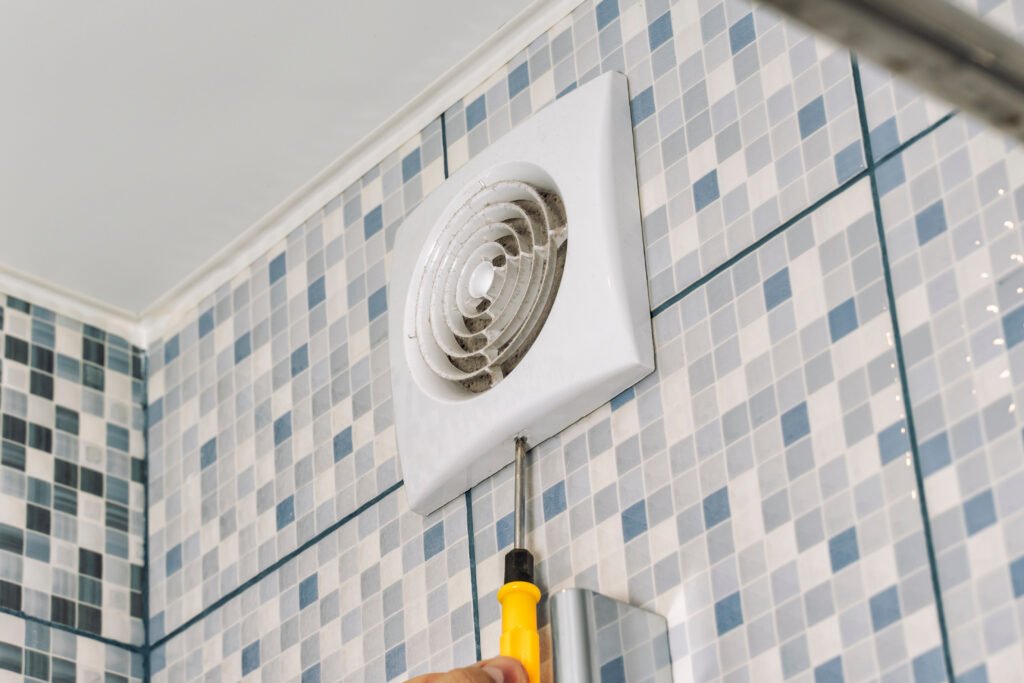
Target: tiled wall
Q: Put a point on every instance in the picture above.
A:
(820, 482)
(34, 651)
(815, 485)
(72, 498)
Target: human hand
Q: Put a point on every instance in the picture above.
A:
(497, 670)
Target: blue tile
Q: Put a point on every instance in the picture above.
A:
(716, 507)
(849, 161)
(976, 675)
(156, 627)
(173, 560)
(394, 661)
(300, 359)
(607, 11)
(889, 175)
(158, 659)
(979, 512)
(282, 428)
(842, 549)
(811, 116)
(518, 79)
(251, 657)
(795, 424)
(934, 454)
(171, 349)
(614, 671)
(777, 289)
(206, 323)
(378, 303)
(504, 529)
(311, 675)
(931, 223)
(829, 672)
(728, 613)
(893, 442)
(308, 591)
(742, 33)
(208, 453)
(642, 106)
(929, 667)
(243, 347)
(634, 521)
(884, 138)
(316, 293)
(117, 438)
(1017, 576)
(476, 112)
(411, 165)
(1013, 327)
(842, 320)
(660, 30)
(278, 267)
(705, 190)
(554, 501)
(373, 222)
(433, 540)
(285, 512)
(342, 444)
(885, 608)
(623, 398)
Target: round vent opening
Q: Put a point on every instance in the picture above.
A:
(489, 282)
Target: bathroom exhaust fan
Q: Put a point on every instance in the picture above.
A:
(518, 295)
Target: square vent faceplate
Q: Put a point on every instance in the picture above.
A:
(518, 294)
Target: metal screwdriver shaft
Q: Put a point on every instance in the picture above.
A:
(519, 596)
(519, 539)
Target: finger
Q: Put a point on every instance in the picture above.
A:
(471, 674)
(505, 670)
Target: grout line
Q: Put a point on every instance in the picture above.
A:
(238, 590)
(775, 232)
(472, 571)
(145, 519)
(901, 366)
(137, 649)
(746, 251)
(444, 144)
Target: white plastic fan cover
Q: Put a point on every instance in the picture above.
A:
(518, 294)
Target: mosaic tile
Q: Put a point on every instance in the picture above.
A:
(955, 240)
(758, 489)
(271, 416)
(898, 110)
(72, 470)
(385, 597)
(741, 119)
(34, 652)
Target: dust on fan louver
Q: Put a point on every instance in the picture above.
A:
(490, 289)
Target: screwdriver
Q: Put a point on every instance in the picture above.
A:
(520, 595)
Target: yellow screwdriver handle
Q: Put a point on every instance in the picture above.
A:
(519, 637)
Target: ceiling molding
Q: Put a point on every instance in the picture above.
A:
(156, 319)
(72, 304)
(412, 118)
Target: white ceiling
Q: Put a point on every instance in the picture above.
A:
(138, 138)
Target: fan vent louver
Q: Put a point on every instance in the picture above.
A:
(489, 283)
